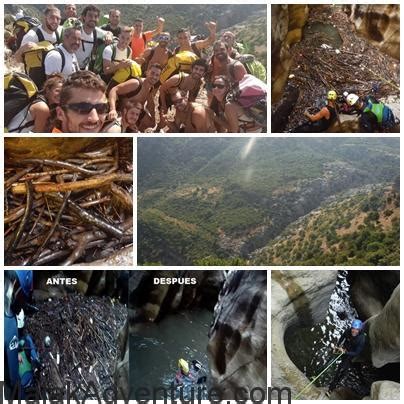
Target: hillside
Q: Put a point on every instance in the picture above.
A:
(362, 229)
(248, 21)
(226, 198)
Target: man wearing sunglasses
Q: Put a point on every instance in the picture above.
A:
(83, 104)
(141, 90)
(159, 54)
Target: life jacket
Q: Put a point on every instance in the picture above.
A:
(180, 62)
(22, 26)
(34, 61)
(20, 92)
(384, 115)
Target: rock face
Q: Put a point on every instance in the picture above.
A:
(238, 337)
(149, 302)
(370, 290)
(287, 22)
(385, 390)
(384, 332)
(298, 298)
(379, 23)
(121, 373)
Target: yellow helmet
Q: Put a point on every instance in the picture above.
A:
(331, 95)
(183, 365)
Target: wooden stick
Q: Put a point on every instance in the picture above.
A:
(74, 186)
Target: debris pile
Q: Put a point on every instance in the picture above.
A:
(77, 341)
(61, 211)
(320, 64)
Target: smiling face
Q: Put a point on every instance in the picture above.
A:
(53, 94)
(183, 38)
(52, 20)
(220, 52)
(115, 17)
(70, 10)
(153, 75)
(219, 89)
(72, 40)
(132, 115)
(91, 19)
(75, 122)
(198, 72)
(124, 39)
(179, 101)
(138, 27)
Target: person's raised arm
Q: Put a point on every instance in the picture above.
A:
(204, 43)
(160, 27)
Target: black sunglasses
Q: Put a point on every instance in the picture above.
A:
(84, 108)
(221, 86)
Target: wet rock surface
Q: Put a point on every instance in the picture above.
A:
(287, 22)
(385, 390)
(298, 298)
(374, 292)
(238, 336)
(149, 302)
(384, 332)
(379, 23)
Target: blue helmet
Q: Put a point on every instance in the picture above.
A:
(25, 277)
(357, 324)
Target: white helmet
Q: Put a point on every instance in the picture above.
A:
(352, 99)
(21, 319)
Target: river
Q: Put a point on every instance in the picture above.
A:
(155, 349)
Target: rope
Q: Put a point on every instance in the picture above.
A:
(323, 371)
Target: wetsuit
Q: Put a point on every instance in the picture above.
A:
(354, 347)
(375, 116)
(318, 126)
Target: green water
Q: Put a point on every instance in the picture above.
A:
(156, 348)
(326, 32)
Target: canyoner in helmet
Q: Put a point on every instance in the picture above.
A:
(188, 377)
(321, 120)
(351, 344)
(374, 115)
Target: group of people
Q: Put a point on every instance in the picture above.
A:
(115, 78)
(374, 115)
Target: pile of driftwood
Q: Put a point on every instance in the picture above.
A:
(61, 211)
(355, 66)
(77, 342)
